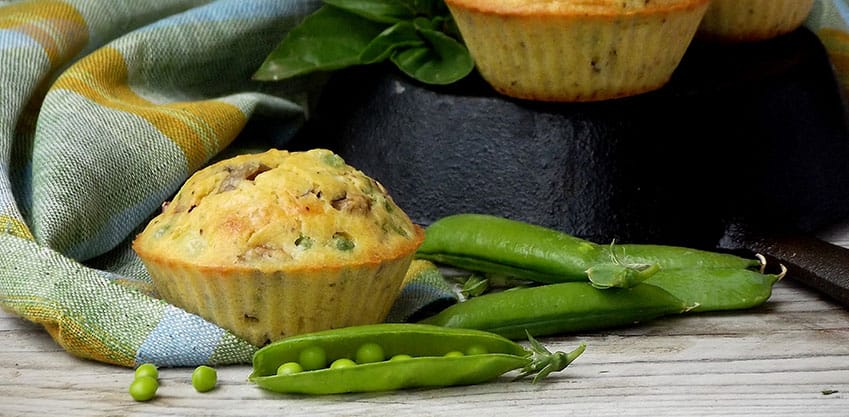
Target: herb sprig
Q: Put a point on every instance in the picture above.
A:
(418, 36)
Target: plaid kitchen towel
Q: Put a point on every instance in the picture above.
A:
(106, 107)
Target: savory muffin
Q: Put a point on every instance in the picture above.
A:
(279, 243)
(752, 20)
(577, 50)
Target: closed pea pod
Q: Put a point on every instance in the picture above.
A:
(559, 308)
(426, 365)
(677, 257)
(498, 245)
(493, 244)
(717, 289)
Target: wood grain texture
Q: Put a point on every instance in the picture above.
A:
(789, 357)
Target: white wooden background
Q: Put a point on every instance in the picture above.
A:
(789, 357)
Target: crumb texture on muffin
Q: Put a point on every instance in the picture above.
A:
(279, 209)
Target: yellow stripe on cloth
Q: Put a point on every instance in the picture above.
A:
(69, 333)
(79, 342)
(15, 227)
(200, 128)
(56, 26)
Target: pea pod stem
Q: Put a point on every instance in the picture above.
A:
(618, 274)
(543, 361)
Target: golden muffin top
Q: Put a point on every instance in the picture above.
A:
(278, 210)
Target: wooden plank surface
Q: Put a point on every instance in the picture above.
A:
(789, 357)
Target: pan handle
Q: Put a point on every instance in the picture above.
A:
(818, 264)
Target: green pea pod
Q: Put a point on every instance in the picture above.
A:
(717, 289)
(427, 366)
(497, 245)
(677, 257)
(494, 244)
(559, 308)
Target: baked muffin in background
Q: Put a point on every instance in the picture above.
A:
(279, 243)
(752, 20)
(577, 50)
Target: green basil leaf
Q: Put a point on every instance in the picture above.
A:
(423, 23)
(443, 60)
(401, 34)
(383, 11)
(328, 39)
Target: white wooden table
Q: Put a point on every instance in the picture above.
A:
(789, 357)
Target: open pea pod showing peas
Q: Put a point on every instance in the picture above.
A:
(410, 355)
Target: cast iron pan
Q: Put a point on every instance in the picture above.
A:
(746, 149)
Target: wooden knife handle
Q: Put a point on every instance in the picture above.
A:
(813, 262)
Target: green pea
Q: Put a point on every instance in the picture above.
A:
(370, 353)
(204, 378)
(343, 241)
(476, 350)
(312, 358)
(143, 388)
(304, 242)
(454, 354)
(147, 369)
(289, 368)
(342, 363)
(400, 357)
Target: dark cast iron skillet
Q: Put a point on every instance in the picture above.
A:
(746, 149)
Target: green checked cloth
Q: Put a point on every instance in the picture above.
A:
(106, 107)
